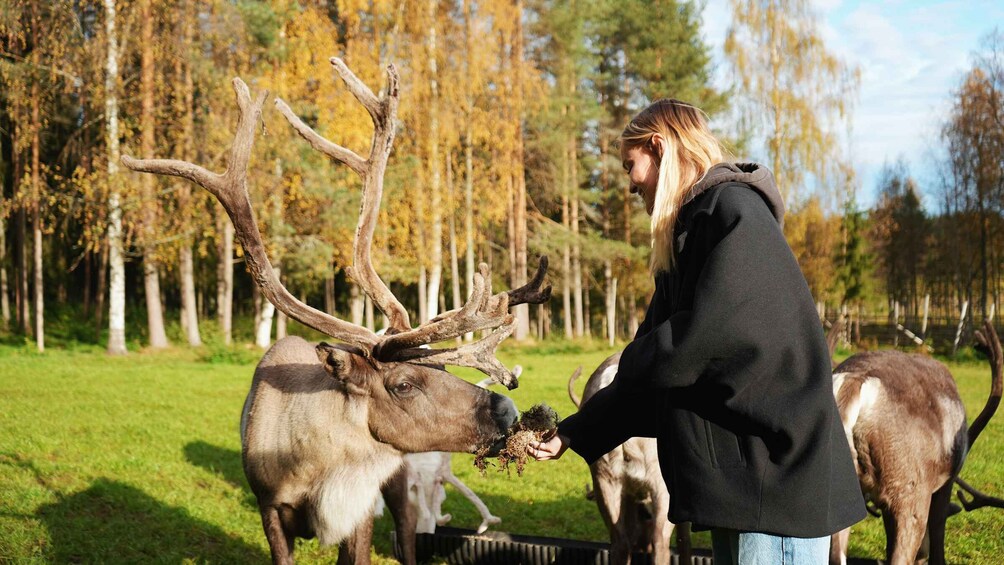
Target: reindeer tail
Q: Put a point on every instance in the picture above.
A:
(571, 387)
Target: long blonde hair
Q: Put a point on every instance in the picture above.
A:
(690, 151)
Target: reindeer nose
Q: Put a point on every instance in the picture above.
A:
(504, 411)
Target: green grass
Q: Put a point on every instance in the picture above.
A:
(137, 459)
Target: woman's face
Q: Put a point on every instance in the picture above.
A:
(642, 168)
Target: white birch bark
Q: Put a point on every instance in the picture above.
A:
(116, 262)
(436, 243)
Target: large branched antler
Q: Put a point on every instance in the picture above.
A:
(230, 188)
(991, 345)
(483, 310)
(383, 112)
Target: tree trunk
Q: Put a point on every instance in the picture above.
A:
(356, 303)
(99, 291)
(436, 243)
(423, 295)
(186, 111)
(523, 310)
(630, 295)
(189, 309)
(225, 274)
(4, 291)
(263, 333)
(468, 160)
(611, 301)
(566, 251)
(586, 329)
(458, 300)
(576, 265)
(329, 292)
(116, 299)
(21, 247)
(281, 325)
(36, 191)
(368, 305)
(151, 276)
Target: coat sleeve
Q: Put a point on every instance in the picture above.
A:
(749, 310)
(611, 417)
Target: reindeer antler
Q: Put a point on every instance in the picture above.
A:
(978, 500)
(230, 188)
(992, 347)
(371, 170)
(483, 310)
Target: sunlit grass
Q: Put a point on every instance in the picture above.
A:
(137, 459)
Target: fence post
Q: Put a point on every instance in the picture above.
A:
(895, 324)
(958, 332)
(923, 325)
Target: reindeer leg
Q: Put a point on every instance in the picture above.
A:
(395, 493)
(838, 546)
(905, 526)
(355, 549)
(487, 519)
(940, 501)
(609, 493)
(281, 542)
(662, 528)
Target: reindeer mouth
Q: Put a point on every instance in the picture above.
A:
(496, 447)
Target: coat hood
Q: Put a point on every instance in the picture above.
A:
(758, 177)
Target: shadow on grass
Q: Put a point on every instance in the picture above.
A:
(113, 522)
(226, 463)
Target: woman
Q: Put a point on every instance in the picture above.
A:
(730, 370)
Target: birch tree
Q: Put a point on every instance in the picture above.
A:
(116, 261)
(792, 85)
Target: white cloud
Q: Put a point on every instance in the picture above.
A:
(912, 54)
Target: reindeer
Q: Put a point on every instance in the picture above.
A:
(427, 474)
(324, 426)
(629, 489)
(906, 427)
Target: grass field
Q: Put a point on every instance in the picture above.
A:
(137, 459)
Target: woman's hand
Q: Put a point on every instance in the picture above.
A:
(549, 448)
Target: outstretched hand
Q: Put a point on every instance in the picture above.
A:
(550, 448)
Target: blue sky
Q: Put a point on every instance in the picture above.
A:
(912, 55)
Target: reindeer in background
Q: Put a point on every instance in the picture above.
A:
(324, 426)
(906, 427)
(628, 487)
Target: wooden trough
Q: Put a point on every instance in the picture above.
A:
(458, 546)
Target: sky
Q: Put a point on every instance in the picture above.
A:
(912, 54)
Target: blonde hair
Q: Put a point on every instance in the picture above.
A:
(690, 151)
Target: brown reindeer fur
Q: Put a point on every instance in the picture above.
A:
(906, 427)
(323, 429)
(630, 492)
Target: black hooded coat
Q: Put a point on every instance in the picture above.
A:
(730, 371)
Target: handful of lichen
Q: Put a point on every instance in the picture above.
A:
(535, 424)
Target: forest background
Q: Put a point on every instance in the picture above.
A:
(506, 150)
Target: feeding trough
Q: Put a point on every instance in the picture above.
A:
(459, 546)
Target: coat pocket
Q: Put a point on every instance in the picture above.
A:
(725, 449)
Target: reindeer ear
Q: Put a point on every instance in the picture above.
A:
(340, 364)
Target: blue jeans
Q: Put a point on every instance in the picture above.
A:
(732, 547)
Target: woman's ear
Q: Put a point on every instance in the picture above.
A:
(657, 145)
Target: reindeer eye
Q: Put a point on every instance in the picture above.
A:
(404, 388)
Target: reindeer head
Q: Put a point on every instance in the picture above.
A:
(405, 382)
